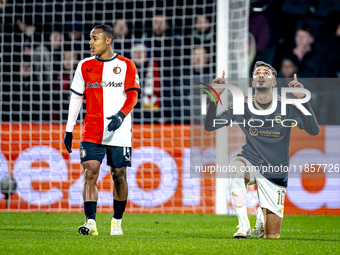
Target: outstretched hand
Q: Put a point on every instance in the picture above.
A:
(295, 84)
(218, 80)
(116, 121)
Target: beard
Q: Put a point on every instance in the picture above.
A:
(262, 90)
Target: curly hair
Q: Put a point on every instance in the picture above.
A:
(261, 63)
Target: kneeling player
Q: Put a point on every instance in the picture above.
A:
(271, 199)
(111, 85)
(266, 146)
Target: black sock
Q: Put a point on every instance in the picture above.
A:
(90, 209)
(118, 208)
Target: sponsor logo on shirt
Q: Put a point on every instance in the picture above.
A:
(112, 84)
(253, 131)
(104, 84)
(269, 134)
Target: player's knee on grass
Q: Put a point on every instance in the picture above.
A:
(118, 175)
(275, 236)
(272, 224)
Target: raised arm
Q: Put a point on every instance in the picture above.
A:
(308, 123)
(212, 121)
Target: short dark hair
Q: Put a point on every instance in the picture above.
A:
(306, 28)
(108, 30)
(261, 63)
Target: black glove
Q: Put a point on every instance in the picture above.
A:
(68, 141)
(116, 121)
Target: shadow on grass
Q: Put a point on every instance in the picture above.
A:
(32, 230)
(165, 236)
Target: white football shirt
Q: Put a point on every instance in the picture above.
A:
(105, 83)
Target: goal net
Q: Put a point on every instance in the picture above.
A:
(174, 48)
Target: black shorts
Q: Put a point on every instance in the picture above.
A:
(117, 157)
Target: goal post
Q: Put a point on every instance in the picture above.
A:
(222, 46)
(232, 57)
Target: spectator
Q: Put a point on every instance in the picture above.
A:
(56, 40)
(288, 67)
(260, 29)
(122, 41)
(200, 59)
(319, 8)
(187, 104)
(203, 32)
(61, 86)
(74, 40)
(204, 35)
(148, 107)
(159, 26)
(307, 57)
(73, 23)
(121, 29)
(26, 38)
(327, 42)
(26, 101)
(28, 30)
(312, 11)
(160, 41)
(45, 54)
(303, 41)
(2, 4)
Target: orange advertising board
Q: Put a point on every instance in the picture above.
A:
(50, 179)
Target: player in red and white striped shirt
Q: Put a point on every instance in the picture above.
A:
(111, 85)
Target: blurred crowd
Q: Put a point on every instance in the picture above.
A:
(173, 47)
(302, 37)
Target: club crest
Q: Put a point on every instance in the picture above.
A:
(117, 70)
(82, 153)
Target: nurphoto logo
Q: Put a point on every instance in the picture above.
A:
(238, 100)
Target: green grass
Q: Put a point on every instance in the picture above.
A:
(56, 233)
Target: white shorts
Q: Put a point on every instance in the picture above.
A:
(270, 195)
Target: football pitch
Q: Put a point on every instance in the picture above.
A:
(56, 233)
